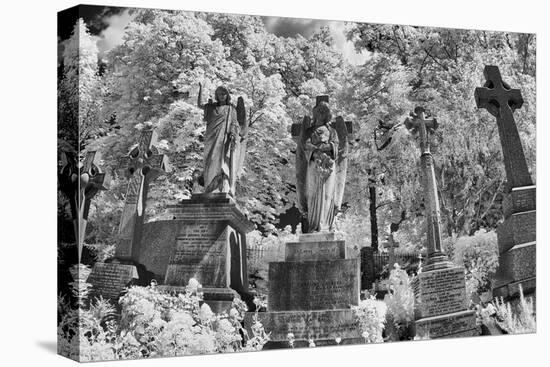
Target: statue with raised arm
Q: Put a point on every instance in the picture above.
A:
(321, 166)
(224, 141)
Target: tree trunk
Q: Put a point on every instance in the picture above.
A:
(373, 219)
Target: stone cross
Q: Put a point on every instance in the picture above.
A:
(92, 180)
(418, 122)
(501, 101)
(142, 165)
(80, 180)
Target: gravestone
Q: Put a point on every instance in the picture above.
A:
(311, 294)
(81, 184)
(441, 302)
(142, 165)
(517, 234)
(207, 242)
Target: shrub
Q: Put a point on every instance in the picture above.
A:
(479, 256)
(400, 301)
(154, 324)
(371, 316)
(520, 322)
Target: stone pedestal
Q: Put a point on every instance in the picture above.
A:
(210, 246)
(517, 244)
(441, 304)
(311, 294)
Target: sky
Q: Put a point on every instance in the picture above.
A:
(108, 25)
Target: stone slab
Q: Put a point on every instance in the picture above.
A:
(157, 244)
(317, 237)
(439, 292)
(313, 285)
(520, 199)
(520, 262)
(110, 279)
(368, 273)
(201, 252)
(457, 324)
(326, 325)
(517, 229)
(508, 290)
(315, 251)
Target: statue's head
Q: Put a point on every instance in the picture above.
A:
(222, 95)
(321, 114)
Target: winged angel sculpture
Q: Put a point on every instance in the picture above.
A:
(321, 166)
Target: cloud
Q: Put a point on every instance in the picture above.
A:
(113, 34)
(290, 27)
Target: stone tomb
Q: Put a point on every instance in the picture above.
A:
(441, 304)
(311, 294)
(209, 244)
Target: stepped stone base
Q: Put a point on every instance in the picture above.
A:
(453, 325)
(517, 229)
(323, 327)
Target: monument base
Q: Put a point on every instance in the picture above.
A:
(323, 327)
(453, 325)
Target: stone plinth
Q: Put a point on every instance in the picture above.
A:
(311, 294)
(441, 304)
(517, 229)
(517, 244)
(439, 292)
(322, 326)
(110, 279)
(453, 325)
(313, 285)
(368, 273)
(204, 239)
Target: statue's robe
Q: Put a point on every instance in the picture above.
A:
(320, 186)
(221, 159)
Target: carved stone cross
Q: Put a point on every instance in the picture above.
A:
(142, 165)
(92, 180)
(418, 122)
(501, 101)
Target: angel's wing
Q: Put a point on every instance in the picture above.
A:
(341, 160)
(301, 165)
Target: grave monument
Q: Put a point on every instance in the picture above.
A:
(441, 302)
(311, 292)
(517, 234)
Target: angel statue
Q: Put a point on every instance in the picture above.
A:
(321, 165)
(224, 142)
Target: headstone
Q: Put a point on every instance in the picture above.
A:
(208, 244)
(142, 165)
(311, 294)
(517, 234)
(441, 302)
(368, 275)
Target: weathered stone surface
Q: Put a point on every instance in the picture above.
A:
(457, 324)
(517, 263)
(519, 228)
(313, 285)
(159, 241)
(202, 253)
(317, 237)
(511, 289)
(501, 101)
(315, 251)
(439, 292)
(520, 199)
(110, 279)
(324, 325)
(142, 165)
